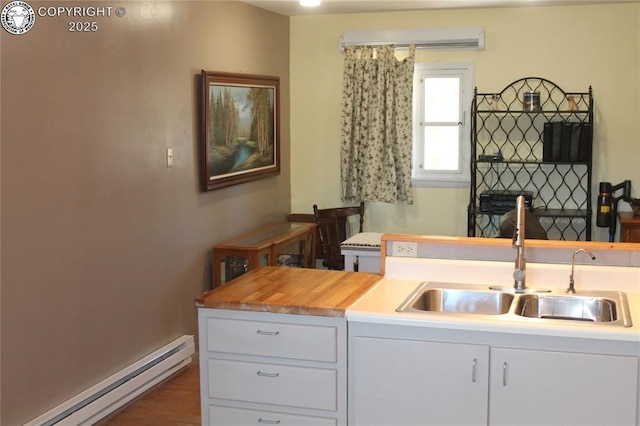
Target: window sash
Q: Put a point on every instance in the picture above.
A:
(456, 173)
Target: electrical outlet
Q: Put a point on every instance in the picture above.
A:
(405, 249)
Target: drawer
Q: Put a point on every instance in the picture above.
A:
(228, 416)
(273, 339)
(304, 387)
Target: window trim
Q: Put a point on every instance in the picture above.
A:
(443, 179)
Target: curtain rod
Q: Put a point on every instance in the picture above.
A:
(421, 38)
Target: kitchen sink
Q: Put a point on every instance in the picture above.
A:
(457, 300)
(601, 307)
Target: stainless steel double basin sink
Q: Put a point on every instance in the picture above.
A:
(601, 307)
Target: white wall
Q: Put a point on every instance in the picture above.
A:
(573, 46)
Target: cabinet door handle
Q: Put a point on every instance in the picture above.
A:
(262, 374)
(267, 333)
(474, 370)
(268, 422)
(504, 373)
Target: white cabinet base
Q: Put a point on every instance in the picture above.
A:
(409, 375)
(264, 368)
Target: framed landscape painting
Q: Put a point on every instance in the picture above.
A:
(240, 128)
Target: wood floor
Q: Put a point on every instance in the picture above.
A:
(174, 402)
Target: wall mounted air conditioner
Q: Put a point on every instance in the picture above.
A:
(444, 38)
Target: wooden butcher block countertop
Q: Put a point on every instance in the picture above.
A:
(285, 290)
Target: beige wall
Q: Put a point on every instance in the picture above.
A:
(103, 247)
(573, 46)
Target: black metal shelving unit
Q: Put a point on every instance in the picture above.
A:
(509, 152)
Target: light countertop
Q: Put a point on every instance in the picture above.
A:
(379, 304)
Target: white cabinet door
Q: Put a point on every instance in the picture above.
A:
(531, 387)
(408, 382)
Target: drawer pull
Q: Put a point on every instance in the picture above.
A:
(268, 333)
(261, 374)
(268, 422)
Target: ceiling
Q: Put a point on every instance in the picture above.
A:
(293, 8)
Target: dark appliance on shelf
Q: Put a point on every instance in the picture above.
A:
(502, 201)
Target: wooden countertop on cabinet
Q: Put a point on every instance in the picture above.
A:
(285, 290)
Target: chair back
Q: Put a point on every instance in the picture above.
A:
(334, 228)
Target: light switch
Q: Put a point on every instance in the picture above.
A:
(169, 157)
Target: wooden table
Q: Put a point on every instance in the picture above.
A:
(629, 227)
(279, 244)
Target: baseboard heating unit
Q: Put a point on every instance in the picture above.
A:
(112, 393)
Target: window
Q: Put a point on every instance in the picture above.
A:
(442, 100)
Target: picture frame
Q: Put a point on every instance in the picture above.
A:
(240, 134)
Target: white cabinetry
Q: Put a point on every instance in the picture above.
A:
(397, 376)
(264, 368)
(410, 382)
(562, 388)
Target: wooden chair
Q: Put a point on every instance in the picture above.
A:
(309, 218)
(334, 227)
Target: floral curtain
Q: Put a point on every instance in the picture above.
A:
(377, 125)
